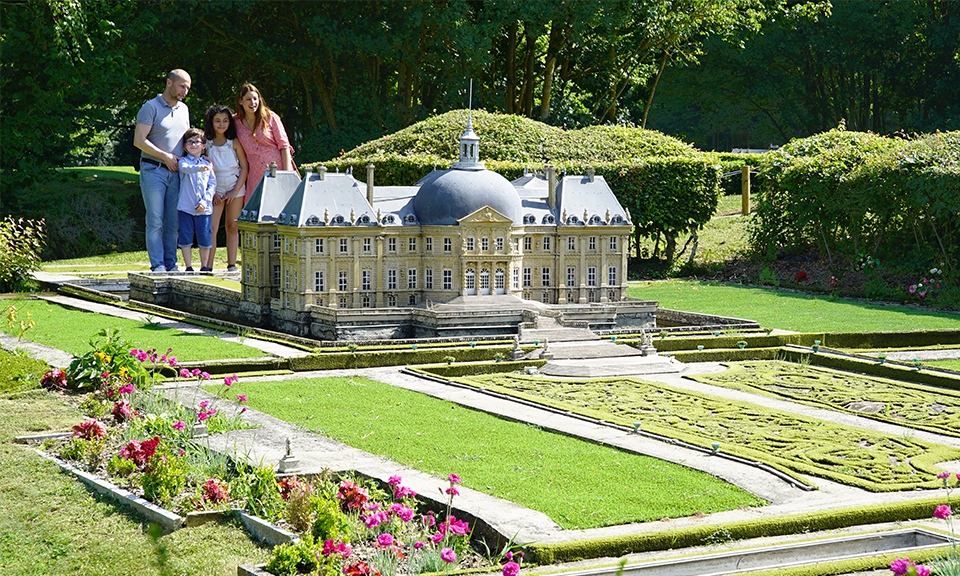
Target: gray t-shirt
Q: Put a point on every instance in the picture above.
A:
(167, 125)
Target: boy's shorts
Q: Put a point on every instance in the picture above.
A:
(199, 223)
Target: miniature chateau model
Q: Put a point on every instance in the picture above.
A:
(463, 252)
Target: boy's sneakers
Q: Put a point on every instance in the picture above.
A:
(206, 269)
(232, 269)
(189, 268)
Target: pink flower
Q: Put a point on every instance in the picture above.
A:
(204, 404)
(172, 360)
(418, 544)
(448, 555)
(403, 491)
(509, 555)
(511, 569)
(385, 540)
(179, 425)
(242, 397)
(405, 514)
(184, 373)
(942, 512)
(201, 416)
(195, 372)
(126, 389)
(453, 491)
(454, 479)
(228, 381)
(913, 288)
(904, 567)
(436, 538)
(394, 481)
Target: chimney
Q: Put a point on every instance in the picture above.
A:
(273, 169)
(370, 184)
(552, 187)
(322, 171)
(591, 172)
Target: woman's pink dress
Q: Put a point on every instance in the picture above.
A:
(262, 149)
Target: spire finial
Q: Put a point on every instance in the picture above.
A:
(470, 105)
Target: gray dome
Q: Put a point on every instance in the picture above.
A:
(446, 196)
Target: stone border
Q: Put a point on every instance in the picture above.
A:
(257, 527)
(168, 520)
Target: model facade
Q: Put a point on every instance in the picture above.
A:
(331, 241)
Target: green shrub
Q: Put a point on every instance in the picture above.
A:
(165, 477)
(294, 559)
(20, 244)
(330, 523)
(111, 356)
(259, 489)
(849, 193)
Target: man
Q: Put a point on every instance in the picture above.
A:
(161, 123)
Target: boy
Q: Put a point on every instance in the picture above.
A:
(195, 208)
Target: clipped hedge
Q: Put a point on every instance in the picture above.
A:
(350, 360)
(854, 340)
(667, 185)
(616, 546)
(852, 193)
(471, 369)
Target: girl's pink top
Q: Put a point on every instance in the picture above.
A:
(262, 149)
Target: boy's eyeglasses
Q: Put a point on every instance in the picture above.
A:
(194, 141)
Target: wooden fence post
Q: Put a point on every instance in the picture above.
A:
(745, 190)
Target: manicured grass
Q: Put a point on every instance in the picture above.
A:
(791, 310)
(948, 364)
(51, 525)
(122, 261)
(71, 331)
(578, 484)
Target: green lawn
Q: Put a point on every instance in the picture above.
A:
(51, 525)
(791, 310)
(71, 330)
(567, 479)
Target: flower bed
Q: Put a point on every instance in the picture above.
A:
(143, 447)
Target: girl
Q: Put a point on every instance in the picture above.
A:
(230, 161)
(262, 135)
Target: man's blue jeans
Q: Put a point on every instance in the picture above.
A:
(161, 190)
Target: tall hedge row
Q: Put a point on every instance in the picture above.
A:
(668, 186)
(850, 194)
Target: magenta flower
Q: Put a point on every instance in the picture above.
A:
(509, 555)
(403, 491)
(394, 481)
(179, 425)
(204, 404)
(201, 416)
(454, 479)
(418, 544)
(126, 389)
(511, 569)
(453, 491)
(205, 375)
(172, 360)
(385, 540)
(437, 538)
(242, 397)
(942, 512)
(195, 372)
(405, 514)
(448, 555)
(228, 381)
(184, 373)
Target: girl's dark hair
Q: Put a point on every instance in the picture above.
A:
(212, 111)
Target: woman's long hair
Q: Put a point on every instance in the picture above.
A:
(263, 112)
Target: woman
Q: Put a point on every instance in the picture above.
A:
(262, 136)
